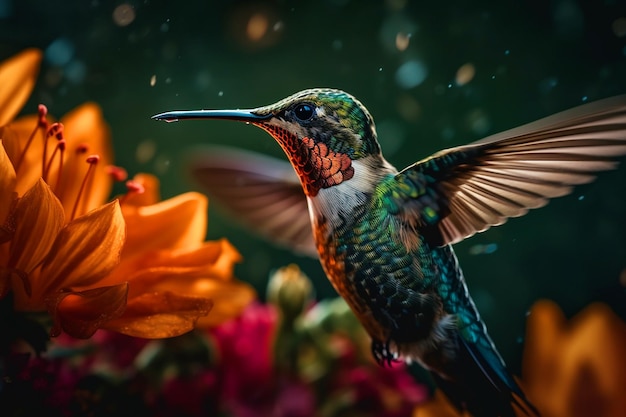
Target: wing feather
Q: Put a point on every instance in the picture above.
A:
(505, 175)
(261, 192)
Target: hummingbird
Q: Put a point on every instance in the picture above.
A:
(384, 237)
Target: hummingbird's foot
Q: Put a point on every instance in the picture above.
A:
(382, 353)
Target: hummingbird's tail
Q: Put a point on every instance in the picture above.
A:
(481, 384)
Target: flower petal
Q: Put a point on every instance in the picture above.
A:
(15, 137)
(229, 300)
(150, 193)
(86, 250)
(7, 184)
(18, 75)
(160, 314)
(85, 128)
(544, 327)
(38, 217)
(229, 297)
(179, 222)
(214, 259)
(575, 368)
(80, 314)
(438, 406)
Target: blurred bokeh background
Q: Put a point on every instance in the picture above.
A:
(433, 74)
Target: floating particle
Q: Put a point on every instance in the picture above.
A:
(123, 15)
(153, 80)
(220, 94)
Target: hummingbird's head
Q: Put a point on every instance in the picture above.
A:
(322, 131)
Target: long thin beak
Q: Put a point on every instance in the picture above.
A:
(240, 115)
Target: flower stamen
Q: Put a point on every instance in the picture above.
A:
(118, 174)
(61, 148)
(132, 187)
(56, 130)
(81, 149)
(92, 160)
(42, 125)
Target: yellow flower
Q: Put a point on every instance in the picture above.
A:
(570, 368)
(134, 265)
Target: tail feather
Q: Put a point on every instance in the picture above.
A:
(482, 385)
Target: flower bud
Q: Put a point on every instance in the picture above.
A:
(290, 290)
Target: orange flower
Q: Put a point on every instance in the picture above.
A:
(570, 369)
(135, 265)
(166, 260)
(575, 368)
(438, 406)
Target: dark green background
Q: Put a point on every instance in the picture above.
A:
(532, 59)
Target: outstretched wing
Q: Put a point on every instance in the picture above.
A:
(261, 192)
(469, 188)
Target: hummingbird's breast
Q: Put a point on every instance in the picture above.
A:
(390, 289)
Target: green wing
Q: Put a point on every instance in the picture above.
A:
(469, 188)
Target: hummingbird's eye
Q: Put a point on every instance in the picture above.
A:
(303, 112)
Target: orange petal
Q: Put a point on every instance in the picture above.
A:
(18, 75)
(80, 314)
(593, 364)
(543, 342)
(171, 224)
(214, 259)
(437, 406)
(150, 194)
(229, 299)
(159, 315)
(85, 126)
(7, 184)
(38, 217)
(15, 136)
(86, 250)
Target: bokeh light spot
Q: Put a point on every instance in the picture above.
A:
(257, 27)
(619, 27)
(465, 74)
(402, 41)
(411, 74)
(123, 15)
(60, 52)
(145, 151)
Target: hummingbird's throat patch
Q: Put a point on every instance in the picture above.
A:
(317, 166)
